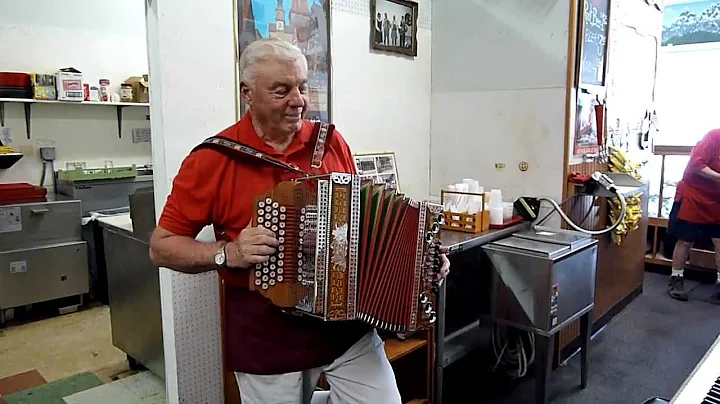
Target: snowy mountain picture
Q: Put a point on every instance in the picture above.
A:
(691, 22)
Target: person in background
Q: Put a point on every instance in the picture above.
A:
(277, 357)
(386, 30)
(378, 29)
(403, 31)
(695, 214)
(394, 34)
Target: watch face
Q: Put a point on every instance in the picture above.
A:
(220, 258)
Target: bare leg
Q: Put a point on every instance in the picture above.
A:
(676, 287)
(682, 253)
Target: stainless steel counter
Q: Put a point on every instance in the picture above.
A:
(134, 295)
(457, 241)
(467, 286)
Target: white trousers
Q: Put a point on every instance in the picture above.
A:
(361, 375)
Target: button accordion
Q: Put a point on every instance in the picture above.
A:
(350, 249)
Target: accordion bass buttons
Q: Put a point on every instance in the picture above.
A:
(435, 228)
(441, 219)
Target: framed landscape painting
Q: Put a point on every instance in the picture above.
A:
(691, 22)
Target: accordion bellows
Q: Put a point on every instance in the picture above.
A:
(350, 250)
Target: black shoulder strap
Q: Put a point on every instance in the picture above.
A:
(234, 149)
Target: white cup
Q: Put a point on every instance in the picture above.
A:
(507, 211)
(496, 198)
(496, 216)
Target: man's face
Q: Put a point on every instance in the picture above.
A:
(279, 97)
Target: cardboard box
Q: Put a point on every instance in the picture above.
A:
(140, 88)
(69, 84)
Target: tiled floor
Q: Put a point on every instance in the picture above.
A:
(62, 346)
(140, 388)
(20, 381)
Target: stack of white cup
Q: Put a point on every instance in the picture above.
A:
(496, 207)
(474, 202)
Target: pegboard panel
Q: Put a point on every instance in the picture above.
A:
(362, 8)
(196, 314)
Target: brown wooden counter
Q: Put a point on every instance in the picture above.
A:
(620, 268)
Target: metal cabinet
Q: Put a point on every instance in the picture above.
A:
(43, 273)
(42, 254)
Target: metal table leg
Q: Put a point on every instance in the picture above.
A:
(585, 325)
(439, 345)
(545, 346)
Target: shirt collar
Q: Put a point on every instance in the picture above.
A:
(249, 136)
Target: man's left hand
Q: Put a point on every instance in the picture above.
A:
(445, 268)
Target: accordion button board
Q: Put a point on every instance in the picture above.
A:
(350, 249)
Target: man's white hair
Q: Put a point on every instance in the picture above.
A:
(263, 50)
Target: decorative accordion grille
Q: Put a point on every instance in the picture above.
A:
(323, 255)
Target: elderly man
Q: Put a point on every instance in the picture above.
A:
(696, 212)
(277, 357)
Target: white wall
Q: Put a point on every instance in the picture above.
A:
(498, 94)
(381, 101)
(103, 39)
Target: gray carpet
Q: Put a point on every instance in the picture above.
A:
(648, 350)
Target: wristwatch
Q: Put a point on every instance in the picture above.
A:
(221, 257)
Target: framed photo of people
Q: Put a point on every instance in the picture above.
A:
(380, 167)
(393, 26)
(304, 23)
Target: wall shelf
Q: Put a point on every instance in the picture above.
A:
(7, 160)
(28, 102)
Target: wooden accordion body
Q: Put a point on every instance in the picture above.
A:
(350, 250)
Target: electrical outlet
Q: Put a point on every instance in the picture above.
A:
(47, 153)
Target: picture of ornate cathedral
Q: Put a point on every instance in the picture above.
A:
(303, 23)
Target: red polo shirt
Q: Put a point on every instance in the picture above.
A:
(211, 188)
(700, 195)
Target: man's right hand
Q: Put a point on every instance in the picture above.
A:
(253, 246)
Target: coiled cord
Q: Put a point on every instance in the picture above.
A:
(514, 350)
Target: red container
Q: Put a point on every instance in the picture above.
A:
(21, 193)
(10, 79)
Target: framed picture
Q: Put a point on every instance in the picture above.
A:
(305, 24)
(379, 167)
(393, 26)
(691, 22)
(586, 126)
